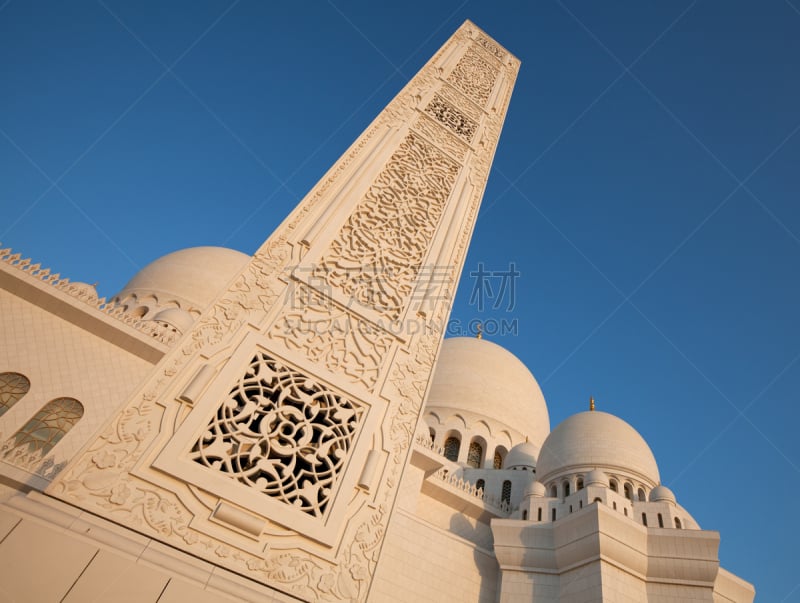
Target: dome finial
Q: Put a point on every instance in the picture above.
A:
(591, 402)
(479, 330)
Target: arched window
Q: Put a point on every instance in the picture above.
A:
(597, 499)
(628, 491)
(613, 485)
(580, 504)
(554, 492)
(640, 495)
(49, 425)
(565, 488)
(451, 448)
(525, 515)
(475, 455)
(506, 495)
(660, 521)
(138, 312)
(499, 457)
(677, 523)
(480, 484)
(580, 483)
(554, 515)
(539, 514)
(626, 511)
(615, 506)
(13, 387)
(644, 519)
(570, 508)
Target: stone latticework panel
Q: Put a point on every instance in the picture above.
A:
(451, 118)
(281, 433)
(13, 387)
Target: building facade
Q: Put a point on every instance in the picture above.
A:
(272, 428)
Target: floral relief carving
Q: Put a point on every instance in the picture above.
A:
(458, 99)
(377, 254)
(473, 76)
(451, 118)
(441, 137)
(281, 433)
(347, 580)
(332, 336)
(490, 46)
(411, 378)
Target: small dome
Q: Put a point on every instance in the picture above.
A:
(521, 455)
(662, 494)
(175, 317)
(535, 489)
(598, 440)
(191, 277)
(596, 478)
(478, 376)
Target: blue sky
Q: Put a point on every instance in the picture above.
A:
(645, 187)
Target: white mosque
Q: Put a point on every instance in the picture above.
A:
(200, 437)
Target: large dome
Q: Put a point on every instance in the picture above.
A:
(596, 440)
(191, 277)
(478, 376)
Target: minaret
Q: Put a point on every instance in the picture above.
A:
(271, 439)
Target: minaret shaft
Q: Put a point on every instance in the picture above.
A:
(271, 439)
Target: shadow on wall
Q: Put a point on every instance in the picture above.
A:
(485, 563)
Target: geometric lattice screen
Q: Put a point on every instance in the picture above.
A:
(281, 433)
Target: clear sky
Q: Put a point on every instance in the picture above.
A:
(645, 188)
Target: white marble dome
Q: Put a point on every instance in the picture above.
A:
(176, 318)
(662, 494)
(480, 377)
(188, 278)
(521, 456)
(596, 477)
(596, 440)
(535, 489)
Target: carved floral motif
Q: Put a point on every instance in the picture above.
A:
(332, 336)
(490, 46)
(451, 118)
(441, 137)
(377, 254)
(474, 77)
(281, 433)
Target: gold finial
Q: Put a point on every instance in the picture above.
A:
(479, 334)
(591, 402)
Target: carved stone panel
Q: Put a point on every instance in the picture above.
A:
(451, 118)
(332, 336)
(441, 137)
(377, 254)
(281, 433)
(490, 46)
(474, 77)
(273, 438)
